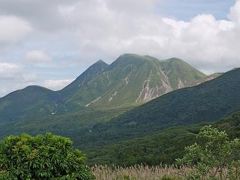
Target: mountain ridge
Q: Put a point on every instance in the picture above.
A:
(205, 103)
(100, 93)
(143, 77)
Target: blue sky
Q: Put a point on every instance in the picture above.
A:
(187, 9)
(50, 43)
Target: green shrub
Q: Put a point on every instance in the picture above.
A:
(213, 155)
(41, 157)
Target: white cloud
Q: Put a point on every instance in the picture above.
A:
(13, 29)
(235, 12)
(105, 29)
(56, 84)
(133, 6)
(9, 70)
(13, 77)
(205, 42)
(114, 28)
(42, 14)
(37, 56)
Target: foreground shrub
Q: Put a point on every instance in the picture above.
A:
(213, 155)
(41, 157)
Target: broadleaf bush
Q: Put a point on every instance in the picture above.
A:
(212, 155)
(41, 157)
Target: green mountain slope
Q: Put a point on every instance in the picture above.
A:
(207, 102)
(129, 81)
(208, 78)
(83, 79)
(67, 124)
(99, 94)
(181, 74)
(132, 80)
(36, 102)
(27, 101)
(161, 147)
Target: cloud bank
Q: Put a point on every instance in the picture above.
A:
(72, 34)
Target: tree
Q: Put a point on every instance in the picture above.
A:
(213, 153)
(41, 157)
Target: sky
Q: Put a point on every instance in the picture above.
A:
(50, 43)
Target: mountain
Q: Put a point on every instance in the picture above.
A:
(32, 100)
(116, 108)
(75, 87)
(99, 94)
(207, 102)
(132, 80)
(207, 78)
(129, 81)
(36, 101)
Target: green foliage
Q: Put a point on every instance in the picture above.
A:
(208, 102)
(41, 157)
(161, 147)
(231, 125)
(152, 150)
(213, 153)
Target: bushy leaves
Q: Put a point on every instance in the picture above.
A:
(41, 157)
(213, 153)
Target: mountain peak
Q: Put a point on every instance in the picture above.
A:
(175, 60)
(93, 71)
(97, 67)
(100, 62)
(127, 59)
(179, 65)
(35, 87)
(129, 55)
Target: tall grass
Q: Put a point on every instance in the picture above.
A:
(136, 173)
(140, 172)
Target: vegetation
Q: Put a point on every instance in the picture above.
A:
(138, 172)
(231, 125)
(37, 110)
(208, 102)
(41, 157)
(75, 123)
(161, 147)
(212, 155)
(150, 150)
(141, 172)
